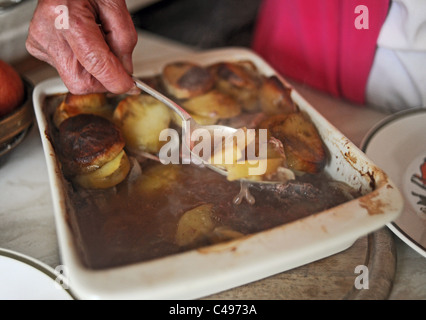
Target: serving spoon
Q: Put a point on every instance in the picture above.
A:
(189, 125)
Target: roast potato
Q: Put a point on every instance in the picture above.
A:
(234, 156)
(253, 171)
(201, 120)
(195, 225)
(232, 148)
(303, 146)
(184, 79)
(107, 176)
(141, 119)
(92, 151)
(198, 226)
(87, 142)
(213, 104)
(275, 98)
(241, 81)
(92, 103)
(223, 233)
(158, 178)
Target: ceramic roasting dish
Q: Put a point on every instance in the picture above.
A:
(204, 271)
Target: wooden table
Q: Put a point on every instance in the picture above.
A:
(395, 270)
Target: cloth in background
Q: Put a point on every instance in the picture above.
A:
(398, 76)
(318, 43)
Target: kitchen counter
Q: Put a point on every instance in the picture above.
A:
(26, 211)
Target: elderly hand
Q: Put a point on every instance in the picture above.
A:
(92, 49)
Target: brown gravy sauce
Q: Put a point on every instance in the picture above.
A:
(132, 223)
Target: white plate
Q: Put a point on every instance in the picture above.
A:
(24, 278)
(398, 145)
(197, 273)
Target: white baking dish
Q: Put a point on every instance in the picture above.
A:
(198, 273)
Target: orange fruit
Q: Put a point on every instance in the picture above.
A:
(11, 89)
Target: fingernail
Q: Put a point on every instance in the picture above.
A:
(127, 63)
(134, 91)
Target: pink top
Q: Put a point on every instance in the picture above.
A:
(324, 44)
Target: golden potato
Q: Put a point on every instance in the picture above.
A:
(93, 103)
(241, 81)
(273, 123)
(87, 142)
(204, 121)
(303, 146)
(213, 104)
(141, 119)
(184, 79)
(107, 176)
(224, 233)
(240, 74)
(235, 158)
(158, 177)
(275, 98)
(253, 171)
(201, 120)
(232, 147)
(195, 225)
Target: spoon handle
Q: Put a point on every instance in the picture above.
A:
(171, 104)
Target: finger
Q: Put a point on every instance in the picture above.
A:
(36, 30)
(120, 32)
(93, 53)
(75, 77)
(34, 50)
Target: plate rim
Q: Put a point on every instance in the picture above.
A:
(35, 264)
(392, 118)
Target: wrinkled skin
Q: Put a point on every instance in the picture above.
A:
(95, 53)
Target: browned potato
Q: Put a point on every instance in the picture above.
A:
(93, 103)
(273, 124)
(87, 142)
(195, 225)
(158, 178)
(236, 75)
(223, 233)
(244, 169)
(92, 151)
(204, 121)
(241, 81)
(109, 175)
(177, 120)
(213, 104)
(185, 79)
(275, 97)
(304, 148)
(232, 148)
(235, 158)
(198, 226)
(141, 119)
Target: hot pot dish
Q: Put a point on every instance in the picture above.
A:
(123, 206)
(129, 207)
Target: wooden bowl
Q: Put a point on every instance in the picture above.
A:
(15, 125)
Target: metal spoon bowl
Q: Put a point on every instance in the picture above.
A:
(190, 125)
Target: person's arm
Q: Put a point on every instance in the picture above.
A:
(90, 43)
